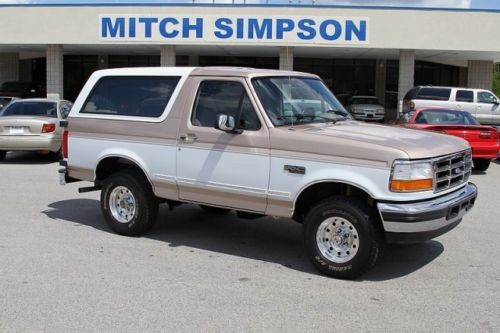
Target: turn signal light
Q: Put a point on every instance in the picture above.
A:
(411, 185)
(48, 128)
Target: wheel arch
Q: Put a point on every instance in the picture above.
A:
(322, 189)
(112, 163)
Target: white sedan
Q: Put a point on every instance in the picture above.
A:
(366, 108)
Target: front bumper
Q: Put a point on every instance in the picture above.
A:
(423, 220)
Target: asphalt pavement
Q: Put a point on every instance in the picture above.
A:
(63, 270)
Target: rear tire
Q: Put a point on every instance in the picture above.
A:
(481, 164)
(342, 237)
(3, 153)
(128, 203)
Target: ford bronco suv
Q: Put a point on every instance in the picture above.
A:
(263, 142)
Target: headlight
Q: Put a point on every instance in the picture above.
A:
(411, 176)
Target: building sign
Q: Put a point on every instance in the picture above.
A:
(234, 29)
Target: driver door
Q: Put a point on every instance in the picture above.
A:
(221, 168)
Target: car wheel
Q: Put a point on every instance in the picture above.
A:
(215, 210)
(3, 153)
(128, 203)
(342, 237)
(481, 164)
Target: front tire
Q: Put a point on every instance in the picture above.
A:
(481, 164)
(128, 203)
(3, 153)
(342, 237)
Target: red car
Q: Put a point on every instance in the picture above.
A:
(484, 140)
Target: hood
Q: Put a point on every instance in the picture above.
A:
(359, 140)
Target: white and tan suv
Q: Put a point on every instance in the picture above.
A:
(263, 142)
(481, 104)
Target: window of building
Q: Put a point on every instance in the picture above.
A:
(224, 97)
(131, 96)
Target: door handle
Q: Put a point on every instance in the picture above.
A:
(189, 138)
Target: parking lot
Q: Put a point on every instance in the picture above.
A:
(62, 269)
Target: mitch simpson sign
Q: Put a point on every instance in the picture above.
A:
(234, 29)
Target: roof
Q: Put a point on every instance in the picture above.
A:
(201, 71)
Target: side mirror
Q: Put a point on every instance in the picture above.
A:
(227, 124)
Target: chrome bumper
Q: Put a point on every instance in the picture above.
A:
(419, 221)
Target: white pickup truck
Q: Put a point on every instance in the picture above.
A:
(263, 142)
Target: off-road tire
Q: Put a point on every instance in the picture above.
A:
(363, 229)
(145, 204)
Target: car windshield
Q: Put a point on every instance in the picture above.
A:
(292, 101)
(449, 117)
(364, 100)
(41, 109)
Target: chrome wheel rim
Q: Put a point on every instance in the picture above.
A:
(337, 240)
(122, 204)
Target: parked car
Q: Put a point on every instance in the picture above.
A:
(5, 100)
(366, 108)
(483, 139)
(262, 142)
(481, 104)
(22, 89)
(32, 124)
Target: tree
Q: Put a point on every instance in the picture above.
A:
(496, 79)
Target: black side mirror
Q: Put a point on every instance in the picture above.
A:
(227, 124)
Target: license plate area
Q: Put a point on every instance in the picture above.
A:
(16, 130)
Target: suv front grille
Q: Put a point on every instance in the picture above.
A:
(452, 170)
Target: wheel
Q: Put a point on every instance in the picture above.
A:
(215, 210)
(342, 237)
(3, 153)
(128, 203)
(481, 165)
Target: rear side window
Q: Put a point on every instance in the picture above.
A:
(412, 93)
(436, 94)
(138, 96)
(465, 96)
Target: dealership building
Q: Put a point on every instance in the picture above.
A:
(381, 51)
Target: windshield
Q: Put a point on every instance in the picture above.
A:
(365, 100)
(40, 109)
(292, 101)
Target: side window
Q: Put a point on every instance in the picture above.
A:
(465, 96)
(486, 97)
(224, 97)
(140, 96)
(435, 94)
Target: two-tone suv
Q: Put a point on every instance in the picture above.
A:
(263, 142)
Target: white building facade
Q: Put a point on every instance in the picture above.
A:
(382, 51)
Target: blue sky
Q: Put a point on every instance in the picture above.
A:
(474, 4)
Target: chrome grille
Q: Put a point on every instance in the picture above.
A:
(452, 170)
